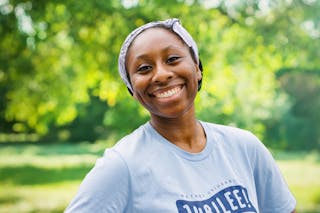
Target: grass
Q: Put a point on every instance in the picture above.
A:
(302, 172)
(44, 178)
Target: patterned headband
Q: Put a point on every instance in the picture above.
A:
(173, 24)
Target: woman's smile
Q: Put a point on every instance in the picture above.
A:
(168, 92)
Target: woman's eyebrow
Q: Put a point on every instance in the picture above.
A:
(145, 56)
(142, 57)
(171, 47)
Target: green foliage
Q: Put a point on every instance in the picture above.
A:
(59, 78)
(125, 117)
(300, 124)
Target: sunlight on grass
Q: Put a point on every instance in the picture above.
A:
(44, 178)
(38, 198)
(302, 172)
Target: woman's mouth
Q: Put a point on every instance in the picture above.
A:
(168, 93)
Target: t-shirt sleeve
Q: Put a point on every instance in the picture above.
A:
(105, 188)
(272, 191)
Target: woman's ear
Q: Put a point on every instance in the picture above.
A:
(134, 95)
(199, 73)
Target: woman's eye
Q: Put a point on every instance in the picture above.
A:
(144, 68)
(172, 59)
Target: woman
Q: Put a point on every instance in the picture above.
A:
(174, 162)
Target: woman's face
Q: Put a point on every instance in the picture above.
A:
(163, 74)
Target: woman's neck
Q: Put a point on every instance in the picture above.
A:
(185, 132)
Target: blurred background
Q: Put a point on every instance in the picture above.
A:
(62, 101)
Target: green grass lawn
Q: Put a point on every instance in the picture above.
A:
(44, 178)
(302, 172)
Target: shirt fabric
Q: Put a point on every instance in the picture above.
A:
(146, 173)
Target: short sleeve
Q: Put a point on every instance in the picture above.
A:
(272, 191)
(105, 188)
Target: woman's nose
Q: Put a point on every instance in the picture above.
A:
(162, 73)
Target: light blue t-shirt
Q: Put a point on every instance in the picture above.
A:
(145, 173)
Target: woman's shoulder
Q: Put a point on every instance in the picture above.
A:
(233, 138)
(137, 144)
(229, 132)
(239, 143)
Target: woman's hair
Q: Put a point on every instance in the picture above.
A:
(174, 26)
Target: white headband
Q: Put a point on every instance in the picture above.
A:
(173, 24)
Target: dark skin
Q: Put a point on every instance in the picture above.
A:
(165, 81)
(164, 77)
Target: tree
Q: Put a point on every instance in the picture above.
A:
(60, 63)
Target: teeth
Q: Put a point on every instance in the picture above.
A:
(168, 93)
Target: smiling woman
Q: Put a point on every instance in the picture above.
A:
(174, 162)
(164, 78)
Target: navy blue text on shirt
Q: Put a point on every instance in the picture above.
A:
(233, 199)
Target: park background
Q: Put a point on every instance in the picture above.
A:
(62, 101)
